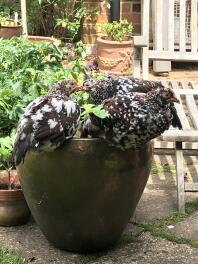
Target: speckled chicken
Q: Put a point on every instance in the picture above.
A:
(48, 121)
(133, 119)
(113, 86)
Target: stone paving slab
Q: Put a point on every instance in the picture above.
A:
(28, 242)
(150, 250)
(187, 228)
(158, 201)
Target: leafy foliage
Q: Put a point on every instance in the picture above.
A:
(86, 102)
(116, 31)
(7, 257)
(61, 18)
(96, 110)
(27, 70)
(6, 146)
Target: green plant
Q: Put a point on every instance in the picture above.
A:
(116, 31)
(162, 168)
(27, 70)
(60, 18)
(86, 103)
(6, 145)
(7, 257)
(72, 21)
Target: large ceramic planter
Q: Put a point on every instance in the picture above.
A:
(83, 194)
(114, 56)
(7, 32)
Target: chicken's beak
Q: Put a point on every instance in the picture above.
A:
(86, 88)
(175, 99)
(76, 89)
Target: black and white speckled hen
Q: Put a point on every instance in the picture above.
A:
(114, 86)
(133, 119)
(48, 121)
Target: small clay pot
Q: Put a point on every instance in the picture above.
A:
(114, 56)
(7, 32)
(13, 207)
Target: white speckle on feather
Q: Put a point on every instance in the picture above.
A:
(57, 104)
(52, 123)
(23, 136)
(46, 108)
(70, 107)
(23, 122)
(37, 116)
(34, 103)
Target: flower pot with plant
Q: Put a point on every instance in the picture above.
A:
(9, 27)
(115, 48)
(83, 193)
(13, 207)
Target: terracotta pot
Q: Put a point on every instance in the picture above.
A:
(13, 207)
(83, 194)
(114, 56)
(7, 32)
(41, 38)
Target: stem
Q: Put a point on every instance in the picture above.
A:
(9, 183)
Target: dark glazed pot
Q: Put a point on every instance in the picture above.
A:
(83, 194)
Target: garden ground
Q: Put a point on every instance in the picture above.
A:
(154, 235)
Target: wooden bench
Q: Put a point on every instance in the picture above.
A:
(164, 48)
(187, 110)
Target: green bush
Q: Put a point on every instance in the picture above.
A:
(116, 31)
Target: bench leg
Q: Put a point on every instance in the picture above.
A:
(180, 177)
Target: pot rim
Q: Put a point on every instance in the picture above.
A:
(11, 190)
(43, 38)
(15, 26)
(102, 40)
(87, 139)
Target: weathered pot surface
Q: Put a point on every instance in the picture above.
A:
(114, 56)
(83, 194)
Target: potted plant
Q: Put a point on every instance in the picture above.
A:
(9, 27)
(83, 194)
(13, 207)
(115, 48)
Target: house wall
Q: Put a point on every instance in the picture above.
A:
(130, 9)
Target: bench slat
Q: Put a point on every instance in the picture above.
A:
(194, 85)
(182, 115)
(191, 186)
(186, 91)
(180, 135)
(192, 108)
